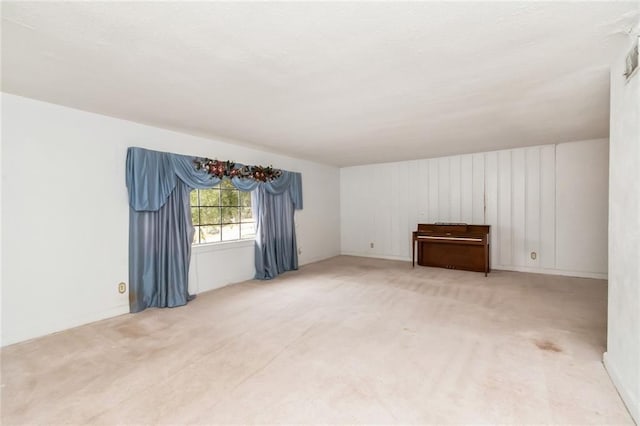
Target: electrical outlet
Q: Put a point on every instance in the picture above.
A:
(299, 251)
(534, 255)
(371, 245)
(122, 288)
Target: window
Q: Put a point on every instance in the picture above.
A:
(222, 213)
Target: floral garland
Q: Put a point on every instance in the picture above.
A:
(228, 169)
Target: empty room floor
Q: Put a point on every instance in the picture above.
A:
(346, 340)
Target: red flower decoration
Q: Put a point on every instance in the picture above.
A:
(220, 169)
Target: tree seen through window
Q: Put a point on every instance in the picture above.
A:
(221, 213)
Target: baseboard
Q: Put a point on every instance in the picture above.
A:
(316, 259)
(578, 274)
(376, 256)
(106, 314)
(628, 396)
(596, 275)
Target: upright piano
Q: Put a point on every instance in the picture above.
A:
(453, 246)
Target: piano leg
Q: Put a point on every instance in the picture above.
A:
(486, 259)
(413, 254)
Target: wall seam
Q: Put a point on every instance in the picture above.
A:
(555, 205)
(526, 205)
(540, 201)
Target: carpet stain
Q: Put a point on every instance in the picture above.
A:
(132, 331)
(547, 345)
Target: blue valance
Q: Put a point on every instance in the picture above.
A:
(152, 176)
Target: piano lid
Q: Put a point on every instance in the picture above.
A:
(453, 228)
(442, 227)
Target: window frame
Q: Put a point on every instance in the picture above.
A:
(239, 206)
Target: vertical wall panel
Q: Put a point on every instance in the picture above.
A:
(532, 212)
(478, 195)
(405, 221)
(433, 190)
(348, 193)
(393, 245)
(382, 230)
(466, 189)
(518, 198)
(491, 199)
(504, 207)
(366, 222)
(547, 254)
(415, 198)
(378, 186)
(444, 190)
(422, 191)
(455, 190)
(354, 223)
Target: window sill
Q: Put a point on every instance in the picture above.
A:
(226, 245)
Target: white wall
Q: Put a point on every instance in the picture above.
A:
(65, 214)
(515, 191)
(582, 196)
(622, 358)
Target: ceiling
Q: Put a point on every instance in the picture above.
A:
(341, 83)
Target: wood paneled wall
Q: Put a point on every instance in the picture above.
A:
(514, 191)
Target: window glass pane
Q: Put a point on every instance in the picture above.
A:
(245, 199)
(210, 197)
(194, 216)
(209, 215)
(230, 232)
(226, 184)
(230, 215)
(247, 230)
(229, 197)
(245, 213)
(209, 234)
(222, 204)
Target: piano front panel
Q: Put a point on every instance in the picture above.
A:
(451, 255)
(453, 246)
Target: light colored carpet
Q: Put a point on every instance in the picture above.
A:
(347, 340)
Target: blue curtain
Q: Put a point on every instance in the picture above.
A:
(161, 232)
(159, 253)
(275, 248)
